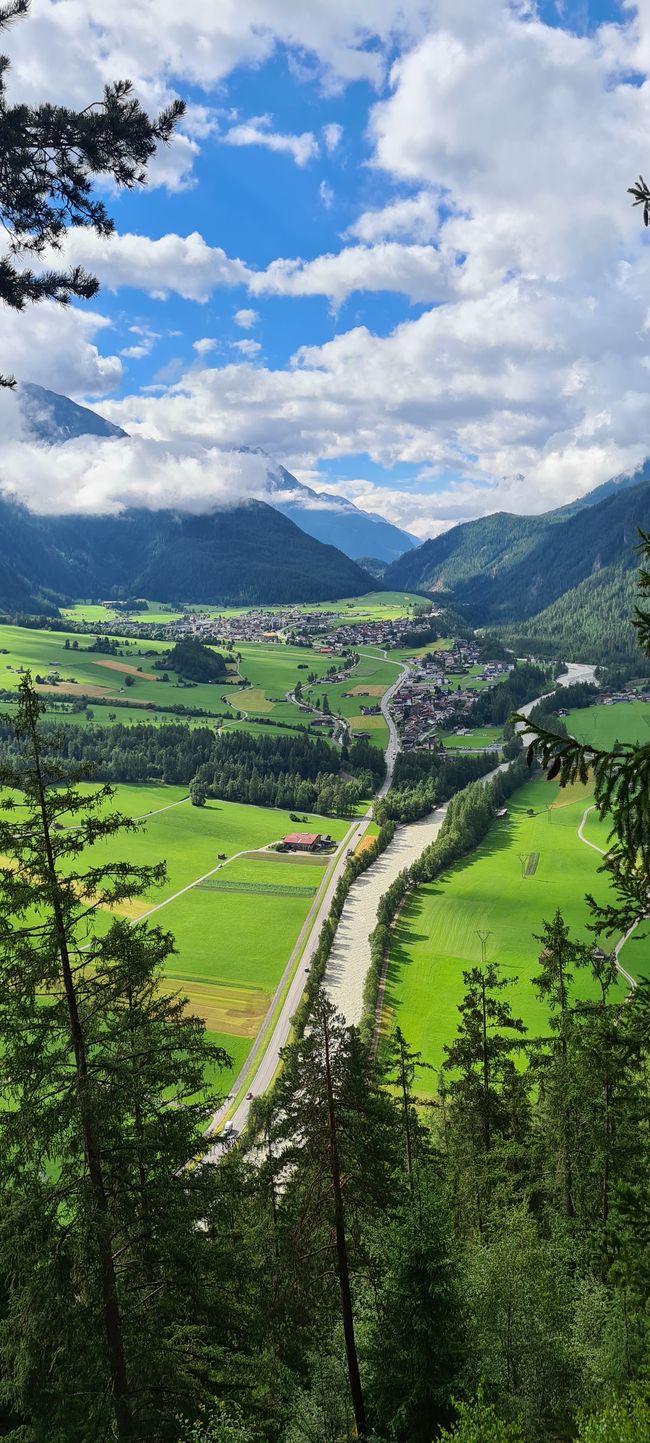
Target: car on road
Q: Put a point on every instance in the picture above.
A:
(249, 1096)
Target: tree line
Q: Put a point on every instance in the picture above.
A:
(292, 771)
(423, 779)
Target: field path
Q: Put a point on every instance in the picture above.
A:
(196, 881)
(619, 945)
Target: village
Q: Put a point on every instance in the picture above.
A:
(433, 697)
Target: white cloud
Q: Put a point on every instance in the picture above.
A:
(518, 140)
(256, 131)
(414, 218)
(326, 194)
(415, 271)
(142, 347)
(247, 347)
(66, 52)
(246, 318)
(204, 345)
(55, 346)
(332, 135)
(92, 475)
(184, 265)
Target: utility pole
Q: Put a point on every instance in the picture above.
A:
(483, 934)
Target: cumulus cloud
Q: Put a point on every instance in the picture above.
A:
(246, 318)
(416, 271)
(56, 346)
(141, 347)
(183, 265)
(102, 477)
(247, 347)
(204, 345)
(326, 194)
(67, 52)
(515, 142)
(257, 131)
(413, 217)
(332, 135)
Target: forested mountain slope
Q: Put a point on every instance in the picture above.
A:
(246, 554)
(589, 623)
(505, 568)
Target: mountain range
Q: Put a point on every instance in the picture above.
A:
(238, 556)
(50, 417)
(335, 520)
(565, 577)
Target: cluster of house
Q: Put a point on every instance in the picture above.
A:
(307, 842)
(326, 631)
(627, 693)
(427, 702)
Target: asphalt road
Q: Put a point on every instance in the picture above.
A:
(269, 1055)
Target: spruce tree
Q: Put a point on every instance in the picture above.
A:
(102, 1097)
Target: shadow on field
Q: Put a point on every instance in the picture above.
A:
(406, 933)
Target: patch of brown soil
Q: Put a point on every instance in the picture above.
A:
(316, 859)
(235, 1010)
(127, 670)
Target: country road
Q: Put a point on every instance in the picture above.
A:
(269, 1054)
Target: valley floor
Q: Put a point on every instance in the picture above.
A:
(532, 862)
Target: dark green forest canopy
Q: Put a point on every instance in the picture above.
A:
(193, 661)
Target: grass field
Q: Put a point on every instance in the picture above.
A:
(482, 737)
(436, 935)
(374, 606)
(232, 941)
(364, 686)
(605, 725)
(271, 669)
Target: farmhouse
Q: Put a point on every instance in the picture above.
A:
(302, 841)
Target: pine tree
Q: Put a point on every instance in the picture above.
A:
(334, 1141)
(102, 1095)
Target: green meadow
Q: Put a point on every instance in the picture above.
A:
(436, 937)
(604, 725)
(364, 686)
(234, 928)
(481, 737)
(373, 606)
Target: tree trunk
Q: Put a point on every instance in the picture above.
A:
(342, 1253)
(487, 1139)
(109, 1297)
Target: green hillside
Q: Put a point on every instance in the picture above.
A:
(505, 568)
(240, 556)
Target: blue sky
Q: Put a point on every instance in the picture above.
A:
(439, 304)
